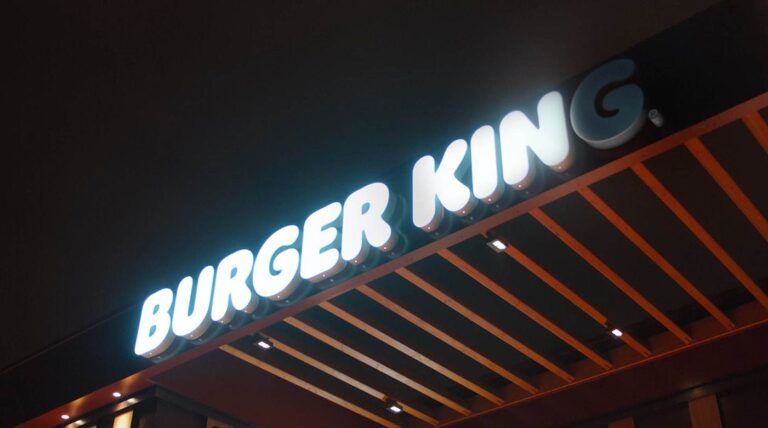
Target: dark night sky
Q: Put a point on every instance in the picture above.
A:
(146, 141)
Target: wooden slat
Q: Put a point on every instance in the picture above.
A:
(446, 338)
(570, 295)
(325, 368)
(407, 350)
(698, 230)
(705, 413)
(521, 306)
(483, 323)
(308, 386)
(609, 274)
(721, 176)
(758, 127)
(654, 255)
(330, 341)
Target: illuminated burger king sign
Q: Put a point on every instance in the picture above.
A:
(342, 234)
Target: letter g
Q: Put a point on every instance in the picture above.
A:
(624, 106)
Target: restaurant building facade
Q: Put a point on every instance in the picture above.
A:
(595, 255)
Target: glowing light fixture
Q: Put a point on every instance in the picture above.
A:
(65, 417)
(497, 245)
(617, 333)
(393, 407)
(117, 394)
(263, 342)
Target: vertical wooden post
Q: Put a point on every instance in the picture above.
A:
(704, 412)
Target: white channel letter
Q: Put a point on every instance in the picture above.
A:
(193, 325)
(231, 292)
(275, 272)
(154, 335)
(486, 181)
(549, 142)
(624, 114)
(434, 189)
(363, 223)
(319, 262)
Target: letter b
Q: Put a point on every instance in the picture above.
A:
(154, 335)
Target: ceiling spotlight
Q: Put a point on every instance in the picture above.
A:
(65, 417)
(617, 333)
(393, 407)
(117, 394)
(262, 341)
(497, 245)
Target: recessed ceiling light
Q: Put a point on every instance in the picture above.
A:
(616, 332)
(393, 407)
(65, 417)
(497, 245)
(117, 394)
(262, 341)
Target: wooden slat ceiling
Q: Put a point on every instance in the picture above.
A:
(668, 244)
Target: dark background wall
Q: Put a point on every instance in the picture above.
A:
(146, 141)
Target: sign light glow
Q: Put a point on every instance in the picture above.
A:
(320, 256)
(364, 214)
(435, 188)
(549, 142)
(486, 180)
(338, 238)
(231, 292)
(193, 325)
(284, 264)
(155, 324)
